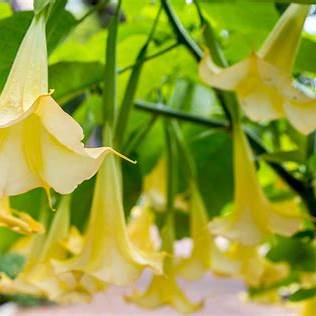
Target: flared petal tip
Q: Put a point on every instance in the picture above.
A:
(248, 235)
(182, 305)
(302, 116)
(151, 260)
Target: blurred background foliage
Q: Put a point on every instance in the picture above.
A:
(168, 83)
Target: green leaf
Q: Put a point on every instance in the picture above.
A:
(240, 26)
(81, 203)
(302, 294)
(89, 114)
(312, 163)
(298, 252)
(132, 185)
(213, 156)
(305, 56)
(5, 10)
(11, 264)
(69, 79)
(60, 23)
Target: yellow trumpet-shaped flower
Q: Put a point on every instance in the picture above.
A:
(38, 277)
(141, 229)
(154, 188)
(309, 307)
(40, 145)
(263, 82)
(19, 222)
(108, 253)
(200, 260)
(163, 289)
(248, 264)
(253, 217)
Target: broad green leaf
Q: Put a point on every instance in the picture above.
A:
(213, 156)
(298, 252)
(302, 294)
(305, 58)
(241, 27)
(69, 79)
(11, 264)
(81, 203)
(132, 185)
(5, 10)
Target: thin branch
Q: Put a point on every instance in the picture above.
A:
(135, 140)
(153, 56)
(295, 184)
(163, 110)
(99, 6)
(181, 33)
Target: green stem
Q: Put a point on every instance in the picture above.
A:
(129, 95)
(181, 33)
(161, 109)
(155, 55)
(171, 176)
(185, 151)
(99, 6)
(110, 73)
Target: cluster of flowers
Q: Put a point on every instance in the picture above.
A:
(41, 146)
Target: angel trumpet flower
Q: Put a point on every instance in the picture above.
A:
(19, 222)
(141, 228)
(40, 145)
(263, 82)
(247, 263)
(38, 277)
(309, 307)
(253, 217)
(200, 260)
(163, 289)
(108, 253)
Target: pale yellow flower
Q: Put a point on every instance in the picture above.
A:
(200, 260)
(17, 221)
(309, 307)
(263, 82)
(253, 217)
(108, 254)
(40, 145)
(251, 266)
(38, 277)
(163, 289)
(141, 229)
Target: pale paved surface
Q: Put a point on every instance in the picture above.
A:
(222, 299)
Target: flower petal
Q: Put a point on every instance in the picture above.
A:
(301, 112)
(223, 78)
(164, 291)
(27, 79)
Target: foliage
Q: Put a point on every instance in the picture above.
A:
(158, 53)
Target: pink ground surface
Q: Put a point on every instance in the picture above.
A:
(222, 298)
